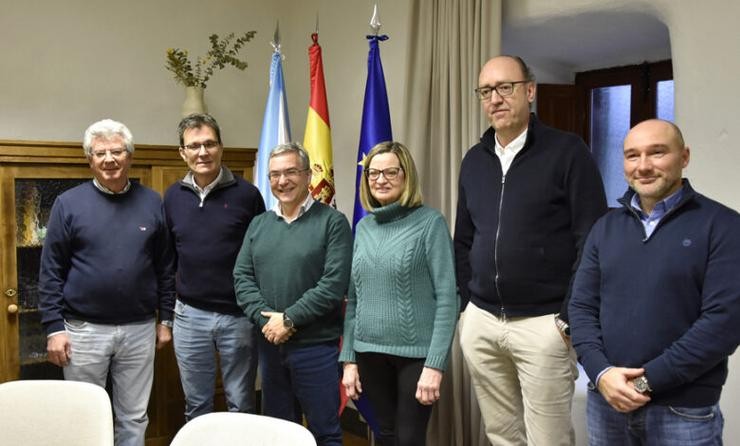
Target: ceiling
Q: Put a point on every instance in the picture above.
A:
(586, 41)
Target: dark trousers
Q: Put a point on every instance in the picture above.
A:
(308, 375)
(389, 383)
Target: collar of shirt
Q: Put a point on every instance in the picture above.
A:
(305, 206)
(650, 221)
(506, 154)
(203, 192)
(105, 190)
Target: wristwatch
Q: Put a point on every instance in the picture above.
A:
(287, 322)
(641, 385)
(562, 325)
(167, 324)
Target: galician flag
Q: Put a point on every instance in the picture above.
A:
(376, 117)
(317, 139)
(275, 126)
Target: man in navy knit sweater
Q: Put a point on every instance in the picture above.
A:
(528, 196)
(656, 302)
(208, 213)
(106, 273)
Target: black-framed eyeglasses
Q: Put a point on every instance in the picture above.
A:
(208, 145)
(504, 89)
(290, 174)
(389, 173)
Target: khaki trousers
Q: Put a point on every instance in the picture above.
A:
(523, 375)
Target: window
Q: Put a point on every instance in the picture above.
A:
(614, 100)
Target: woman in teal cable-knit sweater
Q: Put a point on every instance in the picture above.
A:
(403, 302)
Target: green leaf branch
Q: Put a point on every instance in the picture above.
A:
(223, 52)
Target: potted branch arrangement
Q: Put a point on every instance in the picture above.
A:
(195, 76)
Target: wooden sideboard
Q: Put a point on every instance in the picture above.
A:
(32, 174)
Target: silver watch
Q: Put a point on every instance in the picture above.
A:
(167, 324)
(641, 384)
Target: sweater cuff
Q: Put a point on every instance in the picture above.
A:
(659, 374)
(347, 355)
(165, 315)
(436, 362)
(262, 320)
(55, 327)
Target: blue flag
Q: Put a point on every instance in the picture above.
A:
(376, 128)
(376, 117)
(275, 127)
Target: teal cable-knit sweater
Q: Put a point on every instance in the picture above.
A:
(402, 297)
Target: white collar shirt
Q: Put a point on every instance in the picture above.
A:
(506, 154)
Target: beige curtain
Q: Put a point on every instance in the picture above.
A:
(449, 42)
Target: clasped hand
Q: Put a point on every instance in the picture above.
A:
(275, 330)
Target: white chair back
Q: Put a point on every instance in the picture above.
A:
(242, 429)
(55, 413)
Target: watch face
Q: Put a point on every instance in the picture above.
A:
(288, 323)
(641, 384)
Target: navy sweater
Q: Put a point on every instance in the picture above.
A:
(106, 258)
(517, 241)
(670, 304)
(208, 237)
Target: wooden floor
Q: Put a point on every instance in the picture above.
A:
(354, 440)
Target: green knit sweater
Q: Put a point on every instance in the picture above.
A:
(402, 298)
(301, 268)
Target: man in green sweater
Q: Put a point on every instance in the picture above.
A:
(290, 278)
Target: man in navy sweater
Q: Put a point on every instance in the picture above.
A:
(528, 196)
(208, 212)
(106, 272)
(656, 302)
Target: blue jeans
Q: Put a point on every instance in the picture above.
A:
(305, 375)
(652, 425)
(198, 335)
(127, 352)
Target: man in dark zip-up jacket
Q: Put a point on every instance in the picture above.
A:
(656, 302)
(528, 195)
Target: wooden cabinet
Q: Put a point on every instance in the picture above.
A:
(32, 174)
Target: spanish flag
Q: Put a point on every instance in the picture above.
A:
(317, 139)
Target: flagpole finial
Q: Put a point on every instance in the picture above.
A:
(317, 22)
(276, 37)
(375, 20)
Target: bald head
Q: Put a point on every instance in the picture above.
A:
(653, 128)
(654, 158)
(526, 72)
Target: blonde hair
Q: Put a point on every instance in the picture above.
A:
(411, 195)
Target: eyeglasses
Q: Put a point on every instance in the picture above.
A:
(504, 89)
(208, 145)
(389, 173)
(290, 174)
(115, 153)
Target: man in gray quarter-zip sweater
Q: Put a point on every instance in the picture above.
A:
(528, 195)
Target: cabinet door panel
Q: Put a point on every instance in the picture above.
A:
(28, 195)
